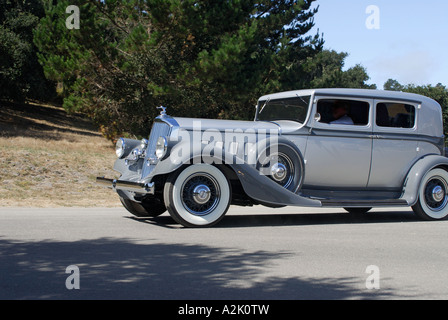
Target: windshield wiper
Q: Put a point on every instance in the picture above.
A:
(300, 97)
(264, 105)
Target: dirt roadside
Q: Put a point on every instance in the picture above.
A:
(51, 159)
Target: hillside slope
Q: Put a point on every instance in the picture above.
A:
(51, 159)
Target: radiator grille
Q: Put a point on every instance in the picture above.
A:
(158, 129)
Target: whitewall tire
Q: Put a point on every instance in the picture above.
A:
(432, 201)
(198, 195)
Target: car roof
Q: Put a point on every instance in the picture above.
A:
(353, 93)
(429, 122)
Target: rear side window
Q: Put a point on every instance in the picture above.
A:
(346, 112)
(395, 115)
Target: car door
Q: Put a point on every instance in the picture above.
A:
(338, 155)
(395, 144)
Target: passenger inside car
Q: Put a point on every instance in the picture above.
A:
(340, 115)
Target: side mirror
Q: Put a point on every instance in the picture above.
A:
(317, 117)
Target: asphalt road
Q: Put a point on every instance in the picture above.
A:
(254, 253)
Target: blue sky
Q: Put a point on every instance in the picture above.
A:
(411, 44)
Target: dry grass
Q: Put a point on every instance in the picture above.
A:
(51, 159)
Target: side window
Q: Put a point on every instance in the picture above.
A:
(395, 115)
(346, 112)
(295, 109)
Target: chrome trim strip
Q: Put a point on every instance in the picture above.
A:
(340, 133)
(363, 96)
(376, 135)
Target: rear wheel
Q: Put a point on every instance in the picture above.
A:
(198, 195)
(432, 201)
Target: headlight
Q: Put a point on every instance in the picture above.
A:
(120, 147)
(161, 147)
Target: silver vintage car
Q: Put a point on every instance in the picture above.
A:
(349, 148)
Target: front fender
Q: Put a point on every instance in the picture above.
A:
(265, 190)
(256, 185)
(417, 173)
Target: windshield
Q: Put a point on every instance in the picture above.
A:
(295, 109)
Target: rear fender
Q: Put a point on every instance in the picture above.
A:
(417, 173)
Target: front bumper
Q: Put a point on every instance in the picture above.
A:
(137, 187)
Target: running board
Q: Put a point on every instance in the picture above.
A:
(364, 203)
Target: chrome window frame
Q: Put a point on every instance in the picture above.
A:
(342, 127)
(413, 130)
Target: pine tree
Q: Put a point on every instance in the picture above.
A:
(199, 58)
(21, 76)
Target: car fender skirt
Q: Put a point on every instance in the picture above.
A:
(261, 188)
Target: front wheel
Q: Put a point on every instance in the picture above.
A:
(432, 201)
(143, 209)
(198, 195)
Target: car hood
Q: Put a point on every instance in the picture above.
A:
(222, 125)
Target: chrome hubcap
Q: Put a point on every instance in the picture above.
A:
(278, 171)
(282, 171)
(438, 193)
(435, 193)
(201, 194)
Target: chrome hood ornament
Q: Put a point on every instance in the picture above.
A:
(162, 110)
